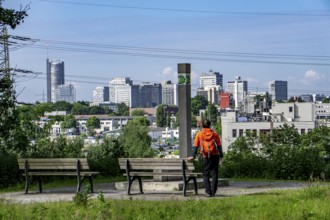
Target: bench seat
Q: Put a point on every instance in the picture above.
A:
(147, 167)
(56, 167)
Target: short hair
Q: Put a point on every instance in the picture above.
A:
(206, 123)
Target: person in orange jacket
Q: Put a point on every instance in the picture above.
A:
(210, 148)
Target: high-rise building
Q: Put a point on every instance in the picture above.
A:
(238, 88)
(65, 93)
(149, 95)
(169, 93)
(55, 77)
(210, 85)
(100, 94)
(279, 90)
(211, 79)
(120, 90)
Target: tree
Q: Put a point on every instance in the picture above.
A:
(212, 113)
(160, 117)
(12, 17)
(123, 109)
(69, 121)
(79, 109)
(198, 103)
(142, 121)
(135, 140)
(93, 123)
(12, 136)
(62, 106)
(138, 112)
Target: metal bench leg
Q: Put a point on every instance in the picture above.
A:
(40, 186)
(27, 183)
(91, 183)
(79, 184)
(140, 185)
(195, 184)
(130, 181)
(186, 185)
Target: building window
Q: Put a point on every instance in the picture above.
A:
(290, 109)
(234, 133)
(254, 132)
(302, 131)
(240, 132)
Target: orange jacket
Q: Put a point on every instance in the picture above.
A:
(206, 134)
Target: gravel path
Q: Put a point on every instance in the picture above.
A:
(235, 188)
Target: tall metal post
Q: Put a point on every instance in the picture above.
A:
(184, 88)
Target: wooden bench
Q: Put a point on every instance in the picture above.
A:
(55, 167)
(147, 167)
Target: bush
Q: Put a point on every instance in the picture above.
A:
(104, 157)
(9, 171)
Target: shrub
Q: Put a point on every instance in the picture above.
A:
(9, 171)
(104, 157)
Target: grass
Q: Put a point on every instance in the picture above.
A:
(308, 203)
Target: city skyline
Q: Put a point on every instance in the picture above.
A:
(259, 41)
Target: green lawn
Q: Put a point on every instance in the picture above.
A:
(309, 203)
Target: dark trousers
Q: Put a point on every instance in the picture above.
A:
(211, 167)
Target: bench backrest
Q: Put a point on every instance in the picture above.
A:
(154, 164)
(53, 163)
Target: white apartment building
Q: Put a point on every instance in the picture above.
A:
(100, 95)
(301, 115)
(120, 90)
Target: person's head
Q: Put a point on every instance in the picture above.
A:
(206, 123)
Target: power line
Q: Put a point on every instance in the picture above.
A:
(182, 57)
(189, 10)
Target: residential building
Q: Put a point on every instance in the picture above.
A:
(279, 90)
(301, 115)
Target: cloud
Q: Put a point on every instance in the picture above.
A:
(168, 72)
(311, 77)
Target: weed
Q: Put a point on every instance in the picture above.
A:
(81, 198)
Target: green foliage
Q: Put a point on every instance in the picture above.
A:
(142, 121)
(104, 157)
(284, 155)
(212, 113)
(58, 148)
(123, 109)
(138, 112)
(82, 198)
(9, 171)
(135, 140)
(69, 121)
(12, 17)
(198, 103)
(93, 123)
(160, 119)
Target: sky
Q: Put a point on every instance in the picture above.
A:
(98, 40)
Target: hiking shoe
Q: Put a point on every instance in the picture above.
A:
(208, 194)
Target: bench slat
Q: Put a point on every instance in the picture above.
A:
(160, 174)
(61, 173)
(53, 163)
